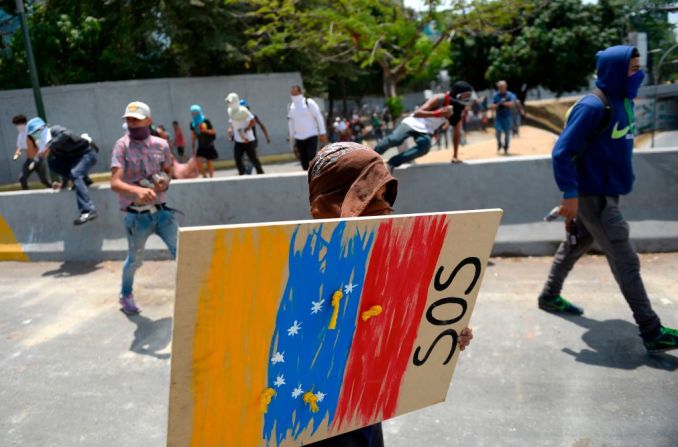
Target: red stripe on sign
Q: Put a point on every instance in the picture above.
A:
(400, 270)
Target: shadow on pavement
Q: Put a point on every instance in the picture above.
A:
(73, 269)
(151, 337)
(616, 344)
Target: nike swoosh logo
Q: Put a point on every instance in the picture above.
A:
(619, 133)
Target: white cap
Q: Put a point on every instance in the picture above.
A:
(138, 110)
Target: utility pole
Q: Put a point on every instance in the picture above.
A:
(32, 68)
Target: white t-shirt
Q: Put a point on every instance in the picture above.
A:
(424, 125)
(21, 140)
(305, 119)
(242, 124)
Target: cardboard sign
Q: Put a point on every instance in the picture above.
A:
(293, 332)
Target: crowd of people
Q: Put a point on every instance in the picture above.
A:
(307, 128)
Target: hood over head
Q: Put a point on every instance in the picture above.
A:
(612, 66)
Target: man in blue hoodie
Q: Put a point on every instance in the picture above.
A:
(592, 167)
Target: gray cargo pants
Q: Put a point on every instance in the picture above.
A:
(600, 219)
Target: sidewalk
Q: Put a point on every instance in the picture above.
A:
(77, 372)
(483, 145)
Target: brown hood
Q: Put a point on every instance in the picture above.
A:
(344, 179)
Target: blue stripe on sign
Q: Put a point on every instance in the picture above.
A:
(305, 354)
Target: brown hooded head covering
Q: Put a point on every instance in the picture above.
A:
(344, 179)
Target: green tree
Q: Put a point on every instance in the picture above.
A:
(550, 43)
(94, 40)
(555, 50)
(369, 33)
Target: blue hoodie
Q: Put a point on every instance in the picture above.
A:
(604, 166)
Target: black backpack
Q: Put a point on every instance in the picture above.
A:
(65, 143)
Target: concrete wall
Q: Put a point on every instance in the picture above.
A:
(97, 108)
(41, 221)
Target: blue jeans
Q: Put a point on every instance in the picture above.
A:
(76, 170)
(138, 228)
(503, 125)
(401, 133)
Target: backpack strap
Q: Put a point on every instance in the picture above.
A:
(607, 113)
(602, 124)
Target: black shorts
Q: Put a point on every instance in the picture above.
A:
(209, 153)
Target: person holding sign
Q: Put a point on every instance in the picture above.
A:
(350, 180)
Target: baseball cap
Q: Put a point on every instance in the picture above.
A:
(138, 110)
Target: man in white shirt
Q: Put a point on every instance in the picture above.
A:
(440, 110)
(29, 165)
(242, 131)
(306, 125)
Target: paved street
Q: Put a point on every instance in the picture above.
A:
(77, 372)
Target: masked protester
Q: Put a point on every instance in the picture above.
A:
(242, 124)
(439, 112)
(306, 126)
(203, 136)
(29, 165)
(350, 180)
(592, 163)
(72, 157)
(141, 169)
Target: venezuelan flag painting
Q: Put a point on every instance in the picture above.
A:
(293, 332)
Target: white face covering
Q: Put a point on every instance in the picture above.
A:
(297, 99)
(235, 110)
(21, 128)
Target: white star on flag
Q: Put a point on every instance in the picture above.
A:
(348, 288)
(317, 306)
(279, 381)
(294, 329)
(278, 358)
(297, 392)
(320, 396)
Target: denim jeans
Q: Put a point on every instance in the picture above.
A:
(600, 219)
(401, 133)
(76, 170)
(503, 125)
(139, 228)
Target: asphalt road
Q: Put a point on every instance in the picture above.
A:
(76, 371)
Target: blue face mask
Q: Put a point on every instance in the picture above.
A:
(633, 83)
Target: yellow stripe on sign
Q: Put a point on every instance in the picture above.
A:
(10, 248)
(235, 322)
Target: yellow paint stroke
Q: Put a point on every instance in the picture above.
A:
(236, 317)
(10, 248)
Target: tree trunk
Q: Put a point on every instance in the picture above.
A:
(390, 82)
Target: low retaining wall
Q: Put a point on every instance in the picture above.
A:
(37, 225)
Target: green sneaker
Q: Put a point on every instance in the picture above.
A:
(665, 341)
(560, 305)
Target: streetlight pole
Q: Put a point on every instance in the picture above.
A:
(32, 68)
(656, 86)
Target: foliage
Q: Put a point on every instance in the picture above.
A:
(365, 32)
(395, 105)
(551, 44)
(341, 47)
